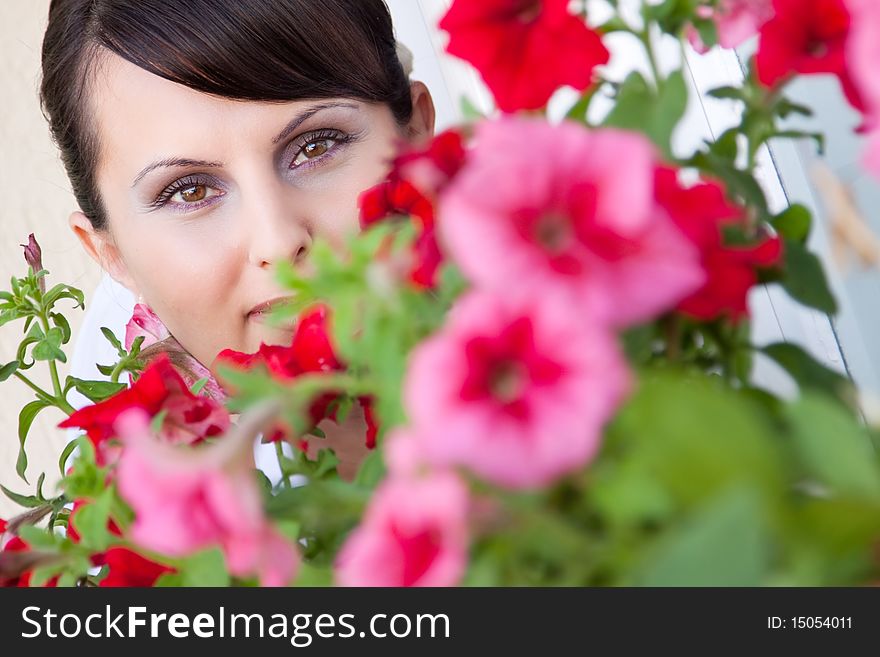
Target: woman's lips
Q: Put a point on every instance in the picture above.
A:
(262, 311)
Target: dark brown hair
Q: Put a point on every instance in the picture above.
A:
(259, 50)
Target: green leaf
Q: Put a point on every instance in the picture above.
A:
(728, 93)
(158, 420)
(40, 481)
(694, 437)
(9, 316)
(469, 111)
(207, 568)
(169, 580)
(25, 420)
(61, 322)
(740, 184)
(113, 340)
(724, 544)
(785, 107)
(640, 109)
(39, 538)
(726, 146)
(199, 385)
(794, 224)
(27, 501)
(818, 137)
(9, 369)
(808, 372)
(62, 291)
(311, 576)
(834, 447)
(708, 31)
(326, 463)
(136, 345)
(91, 521)
(371, 470)
(34, 335)
(578, 111)
(49, 348)
(805, 279)
(65, 455)
(96, 391)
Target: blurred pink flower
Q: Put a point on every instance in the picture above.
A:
(515, 387)
(737, 21)
(862, 54)
(414, 533)
(188, 499)
(145, 323)
(563, 207)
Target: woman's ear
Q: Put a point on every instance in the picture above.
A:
(421, 126)
(100, 246)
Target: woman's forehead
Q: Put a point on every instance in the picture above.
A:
(141, 116)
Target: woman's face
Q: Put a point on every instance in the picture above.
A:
(206, 195)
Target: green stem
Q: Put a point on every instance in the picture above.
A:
(279, 452)
(53, 368)
(645, 36)
(42, 394)
(45, 396)
(118, 370)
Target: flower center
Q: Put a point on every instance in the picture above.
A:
(529, 12)
(507, 381)
(553, 232)
(419, 550)
(817, 48)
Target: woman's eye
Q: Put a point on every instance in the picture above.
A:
(312, 151)
(193, 194)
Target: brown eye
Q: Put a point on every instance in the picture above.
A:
(313, 150)
(192, 194)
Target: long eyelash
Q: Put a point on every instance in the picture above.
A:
(341, 138)
(177, 186)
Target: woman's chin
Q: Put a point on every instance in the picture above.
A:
(266, 333)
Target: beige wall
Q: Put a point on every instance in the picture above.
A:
(36, 198)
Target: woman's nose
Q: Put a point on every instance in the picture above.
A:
(276, 228)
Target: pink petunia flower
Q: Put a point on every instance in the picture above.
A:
(145, 323)
(565, 207)
(862, 54)
(515, 387)
(188, 499)
(737, 21)
(414, 533)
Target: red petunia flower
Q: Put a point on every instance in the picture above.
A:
(22, 580)
(189, 419)
(129, 569)
(524, 49)
(417, 177)
(309, 352)
(124, 566)
(807, 37)
(700, 212)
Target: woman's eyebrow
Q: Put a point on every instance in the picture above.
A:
(298, 120)
(174, 162)
(306, 115)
